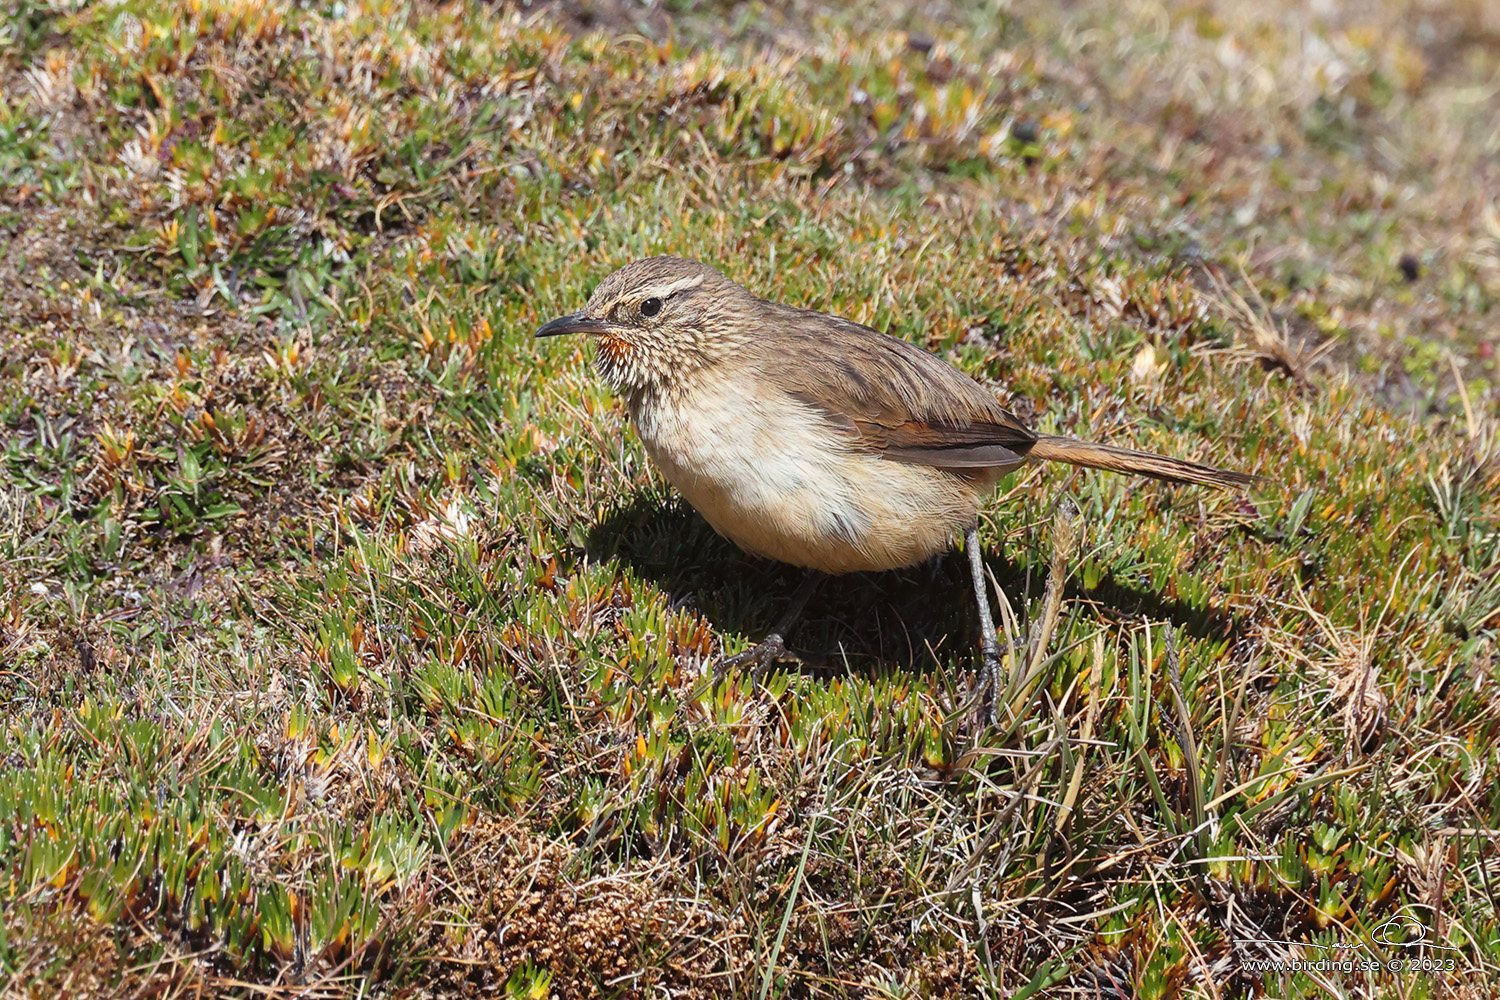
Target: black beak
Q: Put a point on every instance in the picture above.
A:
(576, 323)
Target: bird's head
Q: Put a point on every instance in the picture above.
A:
(658, 318)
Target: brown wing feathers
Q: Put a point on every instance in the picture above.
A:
(907, 404)
(912, 406)
(945, 446)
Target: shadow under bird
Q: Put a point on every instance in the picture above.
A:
(814, 440)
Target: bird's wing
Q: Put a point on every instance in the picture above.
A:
(892, 397)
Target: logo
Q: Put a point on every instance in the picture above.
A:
(1403, 930)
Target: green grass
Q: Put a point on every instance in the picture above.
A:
(349, 644)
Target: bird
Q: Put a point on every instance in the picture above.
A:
(814, 440)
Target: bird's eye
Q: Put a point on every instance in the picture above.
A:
(651, 306)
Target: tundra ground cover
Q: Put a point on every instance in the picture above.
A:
(350, 646)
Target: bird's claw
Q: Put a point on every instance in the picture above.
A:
(987, 690)
(761, 655)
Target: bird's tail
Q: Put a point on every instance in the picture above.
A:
(1106, 456)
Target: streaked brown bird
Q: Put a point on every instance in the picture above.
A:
(811, 439)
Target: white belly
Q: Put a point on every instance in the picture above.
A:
(781, 481)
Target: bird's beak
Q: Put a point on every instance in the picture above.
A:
(576, 323)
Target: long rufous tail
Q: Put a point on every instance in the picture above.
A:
(1105, 456)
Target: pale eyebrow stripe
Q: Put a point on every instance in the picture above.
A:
(680, 285)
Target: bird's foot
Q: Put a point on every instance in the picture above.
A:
(992, 684)
(759, 657)
(985, 692)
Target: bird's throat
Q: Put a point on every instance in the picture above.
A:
(615, 351)
(614, 360)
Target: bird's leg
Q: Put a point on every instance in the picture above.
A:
(989, 644)
(773, 645)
